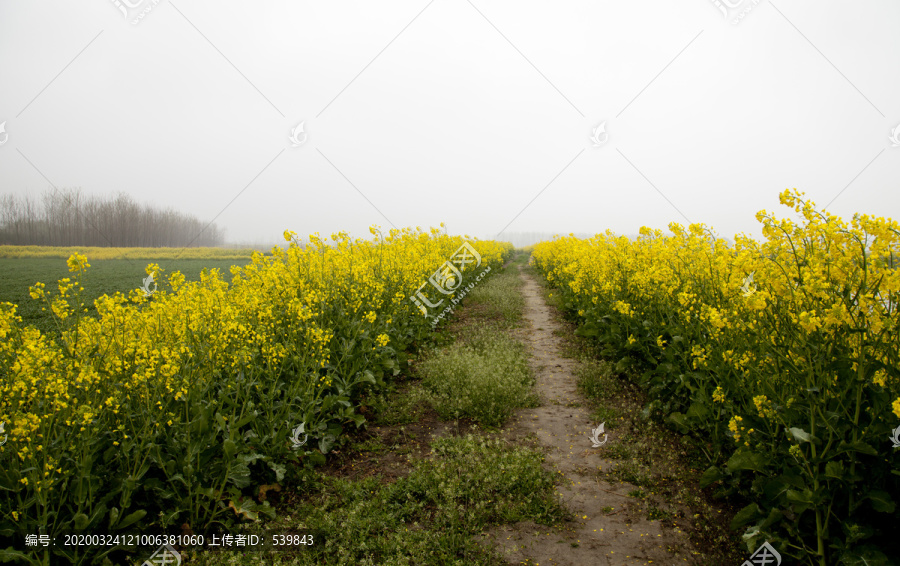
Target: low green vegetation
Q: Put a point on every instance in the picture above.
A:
(105, 277)
(433, 516)
(485, 377)
(499, 300)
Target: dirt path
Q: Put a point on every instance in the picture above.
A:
(604, 531)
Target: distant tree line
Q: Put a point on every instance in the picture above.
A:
(70, 218)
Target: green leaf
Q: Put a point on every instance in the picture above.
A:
(774, 518)
(132, 518)
(799, 434)
(775, 488)
(358, 419)
(834, 470)
(588, 330)
(239, 475)
(230, 448)
(207, 492)
(245, 508)
(113, 515)
(881, 501)
(326, 443)
(679, 421)
(9, 555)
(806, 496)
(247, 418)
(316, 458)
(865, 556)
(747, 460)
(697, 410)
(80, 521)
(749, 513)
(711, 475)
(279, 470)
(858, 446)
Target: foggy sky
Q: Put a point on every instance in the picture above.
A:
(474, 113)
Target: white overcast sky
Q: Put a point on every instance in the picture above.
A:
(475, 113)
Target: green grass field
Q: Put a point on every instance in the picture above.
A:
(104, 277)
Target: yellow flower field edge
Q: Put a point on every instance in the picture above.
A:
(123, 253)
(186, 406)
(780, 358)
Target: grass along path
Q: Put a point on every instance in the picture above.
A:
(430, 474)
(432, 480)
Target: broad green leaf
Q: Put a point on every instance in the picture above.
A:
(245, 508)
(865, 556)
(316, 458)
(132, 518)
(881, 501)
(279, 470)
(588, 330)
(747, 514)
(747, 460)
(775, 488)
(711, 475)
(858, 446)
(80, 521)
(774, 518)
(678, 420)
(698, 410)
(229, 447)
(239, 475)
(805, 496)
(834, 470)
(799, 434)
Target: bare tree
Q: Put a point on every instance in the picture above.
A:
(67, 217)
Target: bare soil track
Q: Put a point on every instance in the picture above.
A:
(607, 530)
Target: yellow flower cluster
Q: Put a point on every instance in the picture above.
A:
(290, 313)
(820, 287)
(802, 329)
(764, 407)
(734, 425)
(719, 395)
